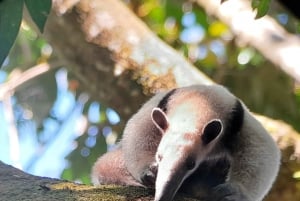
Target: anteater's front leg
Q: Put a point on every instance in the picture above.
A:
(110, 169)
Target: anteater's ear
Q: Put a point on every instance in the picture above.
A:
(211, 131)
(160, 119)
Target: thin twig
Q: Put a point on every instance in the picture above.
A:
(7, 90)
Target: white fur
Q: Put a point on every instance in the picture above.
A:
(184, 119)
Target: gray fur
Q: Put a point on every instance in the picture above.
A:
(252, 154)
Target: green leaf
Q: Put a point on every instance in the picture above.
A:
(298, 27)
(174, 9)
(262, 7)
(39, 11)
(10, 20)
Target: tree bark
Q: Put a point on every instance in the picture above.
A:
(16, 185)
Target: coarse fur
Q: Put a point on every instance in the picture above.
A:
(200, 140)
(110, 169)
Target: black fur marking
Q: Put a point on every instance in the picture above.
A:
(164, 102)
(208, 175)
(228, 191)
(234, 125)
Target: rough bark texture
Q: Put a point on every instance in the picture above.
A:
(16, 185)
(134, 47)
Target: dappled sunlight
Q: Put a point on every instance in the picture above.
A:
(56, 138)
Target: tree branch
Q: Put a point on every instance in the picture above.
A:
(134, 46)
(17, 78)
(7, 90)
(264, 34)
(16, 185)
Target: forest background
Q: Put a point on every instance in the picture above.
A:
(66, 94)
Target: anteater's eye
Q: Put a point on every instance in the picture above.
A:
(190, 164)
